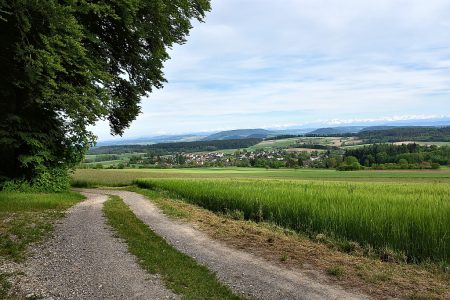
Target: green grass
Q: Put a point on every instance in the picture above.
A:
(91, 177)
(409, 218)
(179, 272)
(27, 217)
(28, 202)
(336, 271)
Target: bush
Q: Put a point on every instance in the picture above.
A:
(98, 166)
(435, 166)
(51, 181)
(352, 167)
(350, 164)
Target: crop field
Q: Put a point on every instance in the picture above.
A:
(106, 177)
(287, 143)
(413, 219)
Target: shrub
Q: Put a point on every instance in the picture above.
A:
(435, 166)
(53, 180)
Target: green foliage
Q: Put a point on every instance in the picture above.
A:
(406, 156)
(413, 218)
(411, 133)
(314, 146)
(350, 163)
(67, 64)
(52, 181)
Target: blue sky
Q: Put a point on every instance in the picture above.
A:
(274, 64)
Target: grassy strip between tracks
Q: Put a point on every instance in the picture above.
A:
(179, 272)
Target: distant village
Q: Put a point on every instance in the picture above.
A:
(240, 158)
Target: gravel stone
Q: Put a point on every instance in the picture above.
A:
(84, 260)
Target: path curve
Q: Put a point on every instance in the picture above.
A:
(242, 272)
(84, 260)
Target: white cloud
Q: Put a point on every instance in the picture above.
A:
(259, 63)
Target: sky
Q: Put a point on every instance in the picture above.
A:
(297, 63)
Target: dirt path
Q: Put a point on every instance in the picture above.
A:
(84, 261)
(241, 271)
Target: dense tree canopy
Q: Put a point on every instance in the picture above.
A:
(67, 63)
(405, 154)
(411, 133)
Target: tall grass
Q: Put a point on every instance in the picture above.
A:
(412, 218)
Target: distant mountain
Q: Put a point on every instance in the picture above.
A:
(378, 128)
(337, 130)
(316, 128)
(292, 131)
(239, 134)
(192, 137)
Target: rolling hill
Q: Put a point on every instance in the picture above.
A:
(337, 130)
(239, 134)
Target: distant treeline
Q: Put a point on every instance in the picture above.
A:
(171, 148)
(315, 146)
(282, 137)
(388, 135)
(330, 135)
(425, 134)
(100, 158)
(401, 156)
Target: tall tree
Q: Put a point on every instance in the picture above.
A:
(67, 63)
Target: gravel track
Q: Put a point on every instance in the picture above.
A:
(85, 261)
(242, 272)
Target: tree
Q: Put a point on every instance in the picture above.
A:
(66, 64)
